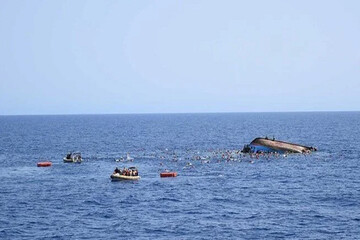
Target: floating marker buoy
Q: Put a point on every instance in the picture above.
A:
(168, 174)
(44, 164)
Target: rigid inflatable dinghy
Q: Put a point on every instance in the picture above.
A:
(127, 174)
(119, 177)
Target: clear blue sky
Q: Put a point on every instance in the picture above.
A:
(68, 57)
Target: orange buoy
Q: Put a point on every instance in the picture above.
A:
(168, 174)
(44, 164)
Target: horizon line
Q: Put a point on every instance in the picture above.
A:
(153, 113)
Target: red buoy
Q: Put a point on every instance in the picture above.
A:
(168, 174)
(44, 164)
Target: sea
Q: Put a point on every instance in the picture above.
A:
(219, 193)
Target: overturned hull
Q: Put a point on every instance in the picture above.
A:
(266, 145)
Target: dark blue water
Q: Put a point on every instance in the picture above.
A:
(313, 196)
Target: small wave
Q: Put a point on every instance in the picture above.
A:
(91, 202)
(169, 199)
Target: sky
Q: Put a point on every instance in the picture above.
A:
(95, 57)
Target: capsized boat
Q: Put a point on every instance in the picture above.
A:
(126, 174)
(266, 145)
(73, 157)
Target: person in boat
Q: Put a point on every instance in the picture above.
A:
(117, 170)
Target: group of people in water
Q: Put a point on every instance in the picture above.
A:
(189, 157)
(126, 172)
(218, 156)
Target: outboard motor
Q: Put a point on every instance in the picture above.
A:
(246, 149)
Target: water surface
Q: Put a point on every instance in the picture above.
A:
(300, 196)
